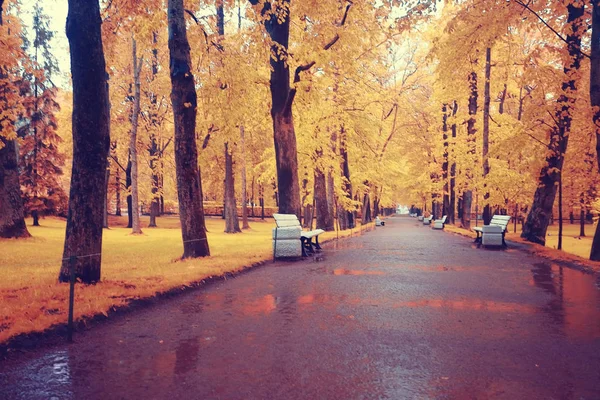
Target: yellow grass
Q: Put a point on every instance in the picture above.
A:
(575, 248)
(133, 267)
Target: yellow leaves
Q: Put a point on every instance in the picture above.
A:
(187, 104)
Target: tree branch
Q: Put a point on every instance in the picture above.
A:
(526, 6)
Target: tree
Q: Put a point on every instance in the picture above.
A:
(595, 103)
(135, 206)
(277, 23)
(91, 120)
(41, 161)
(538, 219)
(184, 101)
(12, 221)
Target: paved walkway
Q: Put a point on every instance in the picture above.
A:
(403, 312)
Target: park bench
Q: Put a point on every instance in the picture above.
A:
(427, 221)
(420, 218)
(289, 240)
(492, 234)
(439, 223)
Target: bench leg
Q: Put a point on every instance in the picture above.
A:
(307, 248)
(316, 244)
(503, 241)
(478, 238)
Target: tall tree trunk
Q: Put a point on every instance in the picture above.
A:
(347, 219)
(128, 181)
(366, 209)
(135, 205)
(502, 99)
(91, 140)
(277, 24)
(595, 102)
(486, 135)
(471, 132)
(452, 203)
(153, 148)
(324, 218)
(118, 191)
(244, 194)
(582, 222)
(232, 224)
(560, 212)
(540, 214)
(446, 198)
(308, 216)
(105, 213)
(12, 218)
(183, 98)
(261, 200)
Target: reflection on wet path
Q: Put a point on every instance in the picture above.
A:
(385, 315)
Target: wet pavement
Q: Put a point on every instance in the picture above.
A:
(399, 313)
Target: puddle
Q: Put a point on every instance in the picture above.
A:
(344, 271)
(574, 304)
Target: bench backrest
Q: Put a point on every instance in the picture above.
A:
(500, 220)
(285, 220)
(444, 219)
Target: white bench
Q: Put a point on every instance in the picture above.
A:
(427, 221)
(492, 234)
(439, 223)
(290, 241)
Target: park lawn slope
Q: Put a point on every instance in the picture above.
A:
(133, 267)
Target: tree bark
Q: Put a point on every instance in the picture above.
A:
(471, 132)
(582, 223)
(105, 213)
(183, 98)
(366, 209)
(277, 24)
(153, 149)
(452, 204)
(135, 205)
(446, 195)
(91, 140)
(560, 212)
(346, 217)
(595, 102)
(244, 194)
(540, 214)
(486, 135)
(324, 218)
(128, 188)
(12, 217)
(232, 224)
(118, 191)
(308, 217)
(261, 201)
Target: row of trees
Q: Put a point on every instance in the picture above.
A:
(131, 138)
(368, 103)
(515, 113)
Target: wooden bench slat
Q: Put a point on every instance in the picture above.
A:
(284, 224)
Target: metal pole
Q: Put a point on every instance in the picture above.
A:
(72, 261)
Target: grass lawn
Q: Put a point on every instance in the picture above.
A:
(573, 244)
(133, 267)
